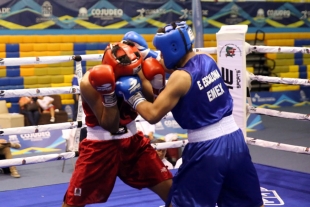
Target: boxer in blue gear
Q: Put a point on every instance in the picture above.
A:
(141, 44)
(217, 166)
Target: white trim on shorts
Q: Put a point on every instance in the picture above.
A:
(225, 126)
(100, 134)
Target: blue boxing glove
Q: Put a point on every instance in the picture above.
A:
(129, 87)
(141, 44)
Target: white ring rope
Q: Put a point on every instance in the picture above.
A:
(37, 159)
(288, 81)
(39, 91)
(68, 155)
(278, 146)
(41, 128)
(176, 144)
(98, 57)
(281, 114)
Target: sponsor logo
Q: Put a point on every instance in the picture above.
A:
(278, 14)
(238, 78)
(159, 126)
(228, 75)
(271, 197)
(305, 14)
(37, 59)
(107, 14)
(171, 124)
(1, 61)
(121, 130)
(134, 85)
(38, 90)
(234, 16)
(2, 93)
(164, 169)
(257, 98)
(146, 12)
(188, 13)
(13, 138)
(83, 13)
(78, 191)
(38, 136)
(260, 13)
(230, 50)
(104, 87)
(47, 12)
(137, 69)
(47, 9)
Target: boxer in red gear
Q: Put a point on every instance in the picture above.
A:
(113, 146)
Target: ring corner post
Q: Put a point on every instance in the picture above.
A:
(231, 59)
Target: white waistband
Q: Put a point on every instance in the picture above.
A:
(225, 126)
(98, 133)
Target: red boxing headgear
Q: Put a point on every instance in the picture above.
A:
(124, 57)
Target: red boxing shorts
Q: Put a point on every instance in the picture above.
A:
(132, 159)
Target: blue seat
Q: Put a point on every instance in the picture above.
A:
(102, 46)
(17, 87)
(14, 100)
(17, 81)
(12, 48)
(79, 52)
(13, 73)
(79, 47)
(303, 68)
(12, 54)
(5, 87)
(303, 75)
(302, 42)
(4, 81)
(298, 55)
(92, 46)
(14, 108)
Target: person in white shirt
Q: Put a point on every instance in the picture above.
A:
(46, 103)
(162, 154)
(145, 127)
(178, 163)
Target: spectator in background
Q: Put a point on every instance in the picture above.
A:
(162, 154)
(173, 154)
(75, 82)
(145, 127)
(178, 163)
(5, 153)
(30, 109)
(46, 103)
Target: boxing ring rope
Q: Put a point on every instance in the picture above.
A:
(175, 144)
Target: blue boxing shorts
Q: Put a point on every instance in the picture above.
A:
(216, 171)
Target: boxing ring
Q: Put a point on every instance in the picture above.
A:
(176, 144)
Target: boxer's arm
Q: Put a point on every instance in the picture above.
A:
(108, 117)
(147, 89)
(177, 86)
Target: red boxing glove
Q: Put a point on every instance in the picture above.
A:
(102, 78)
(155, 73)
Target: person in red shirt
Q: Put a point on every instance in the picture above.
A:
(113, 147)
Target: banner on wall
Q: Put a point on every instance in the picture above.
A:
(130, 14)
(41, 142)
(281, 99)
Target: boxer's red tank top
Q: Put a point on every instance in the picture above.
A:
(127, 114)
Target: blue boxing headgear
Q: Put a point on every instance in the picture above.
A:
(174, 41)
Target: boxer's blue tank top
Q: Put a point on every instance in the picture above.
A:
(208, 99)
